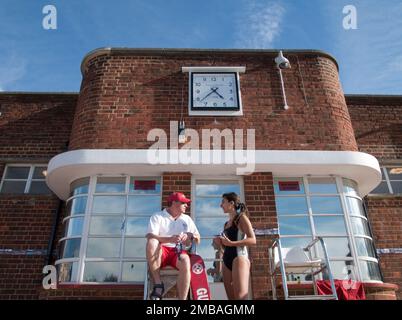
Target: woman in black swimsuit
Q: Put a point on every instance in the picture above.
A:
(238, 233)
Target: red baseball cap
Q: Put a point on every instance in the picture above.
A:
(178, 196)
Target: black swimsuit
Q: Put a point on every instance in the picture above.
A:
(230, 253)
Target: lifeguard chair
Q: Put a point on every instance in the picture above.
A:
(298, 260)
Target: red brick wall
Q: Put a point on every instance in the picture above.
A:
(125, 94)
(377, 122)
(25, 224)
(385, 215)
(260, 201)
(35, 126)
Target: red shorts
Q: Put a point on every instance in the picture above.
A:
(169, 256)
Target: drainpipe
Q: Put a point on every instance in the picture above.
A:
(56, 218)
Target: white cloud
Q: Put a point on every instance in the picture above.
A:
(259, 25)
(12, 69)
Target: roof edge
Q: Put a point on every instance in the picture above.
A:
(145, 51)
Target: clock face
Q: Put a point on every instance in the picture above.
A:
(214, 91)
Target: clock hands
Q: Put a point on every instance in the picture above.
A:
(213, 90)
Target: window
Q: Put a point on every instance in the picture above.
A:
(391, 182)
(329, 207)
(210, 219)
(20, 179)
(105, 228)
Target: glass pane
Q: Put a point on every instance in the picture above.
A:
(295, 242)
(206, 249)
(106, 226)
(382, 188)
(216, 189)
(342, 270)
(355, 206)
(17, 173)
(13, 187)
(146, 205)
(209, 207)
(396, 186)
(103, 247)
(281, 186)
(101, 271)
(134, 247)
(110, 185)
(74, 227)
(322, 185)
(133, 271)
(336, 247)
(214, 271)
(294, 226)
(39, 187)
(70, 248)
(350, 187)
(144, 186)
(360, 226)
(109, 204)
(76, 206)
(365, 247)
(291, 205)
(39, 173)
(330, 225)
(209, 227)
(326, 205)
(68, 271)
(370, 270)
(79, 186)
(394, 173)
(136, 226)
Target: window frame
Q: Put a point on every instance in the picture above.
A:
(28, 180)
(350, 236)
(211, 180)
(385, 178)
(82, 259)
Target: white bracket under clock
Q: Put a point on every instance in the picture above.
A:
(214, 91)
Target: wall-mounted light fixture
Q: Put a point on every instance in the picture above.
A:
(182, 132)
(282, 63)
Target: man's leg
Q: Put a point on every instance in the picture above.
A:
(154, 254)
(184, 277)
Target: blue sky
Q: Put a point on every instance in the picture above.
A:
(35, 59)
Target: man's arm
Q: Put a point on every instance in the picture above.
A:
(171, 239)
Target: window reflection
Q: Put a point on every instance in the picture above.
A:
(216, 189)
(134, 247)
(370, 270)
(67, 271)
(136, 226)
(109, 204)
(326, 205)
(291, 205)
(133, 271)
(77, 206)
(294, 226)
(103, 247)
(106, 226)
(322, 185)
(209, 207)
(145, 205)
(330, 225)
(355, 206)
(210, 226)
(74, 227)
(110, 185)
(101, 271)
(70, 248)
(336, 247)
(360, 226)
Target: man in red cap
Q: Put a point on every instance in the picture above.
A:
(167, 229)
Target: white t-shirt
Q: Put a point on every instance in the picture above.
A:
(164, 225)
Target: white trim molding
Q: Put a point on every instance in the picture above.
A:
(69, 166)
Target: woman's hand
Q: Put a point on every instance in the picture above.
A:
(225, 241)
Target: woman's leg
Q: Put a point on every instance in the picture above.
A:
(241, 276)
(227, 281)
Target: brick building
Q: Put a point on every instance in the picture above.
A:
(330, 165)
